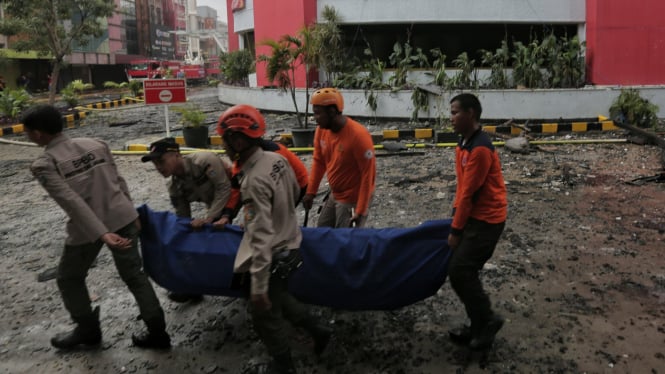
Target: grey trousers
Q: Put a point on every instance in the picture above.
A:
(271, 325)
(335, 214)
(76, 261)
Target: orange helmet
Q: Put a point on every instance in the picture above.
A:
(328, 96)
(242, 118)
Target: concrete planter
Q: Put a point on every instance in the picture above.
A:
(196, 137)
(303, 137)
(497, 104)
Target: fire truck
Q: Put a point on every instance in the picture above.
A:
(213, 67)
(156, 69)
(193, 68)
(193, 71)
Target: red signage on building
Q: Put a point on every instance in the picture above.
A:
(237, 5)
(164, 91)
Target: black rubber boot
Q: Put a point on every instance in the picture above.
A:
(282, 364)
(485, 336)
(154, 340)
(320, 334)
(460, 335)
(156, 336)
(184, 297)
(86, 335)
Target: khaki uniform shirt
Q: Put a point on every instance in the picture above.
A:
(81, 176)
(205, 180)
(269, 190)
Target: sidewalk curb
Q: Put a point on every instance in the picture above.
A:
(70, 119)
(423, 133)
(442, 137)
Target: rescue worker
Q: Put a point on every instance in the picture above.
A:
(198, 176)
(479, 216)
(234, 203)
(81, 176)
(344, 151)
(269, 247)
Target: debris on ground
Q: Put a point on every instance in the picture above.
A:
(578, 273)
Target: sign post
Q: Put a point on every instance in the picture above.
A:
(164, 92)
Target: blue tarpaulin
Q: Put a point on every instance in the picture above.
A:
(352, 269)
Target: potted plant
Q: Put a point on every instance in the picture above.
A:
(286, 55)
(194, 130)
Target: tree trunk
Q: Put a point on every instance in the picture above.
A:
(306, 94)
(292, 88)
(55, 76)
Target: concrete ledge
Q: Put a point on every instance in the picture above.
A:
(70, 119)
(212, 140)
(137, 147)
(553, 128)
(111, 104)
(415, 133)
(587, 102)
(13, 129)
(441, 137)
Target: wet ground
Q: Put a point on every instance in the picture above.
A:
(579, 273)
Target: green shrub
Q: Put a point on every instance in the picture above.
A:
(237, 65)
(12, 102)
(113, 85)
(136, 86)
(497, 61)
(528, 60)
(634, 110)
(71, 93)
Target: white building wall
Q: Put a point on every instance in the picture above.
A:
(451, 11)
(243, 20)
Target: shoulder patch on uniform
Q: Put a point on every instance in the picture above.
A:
(249, 210)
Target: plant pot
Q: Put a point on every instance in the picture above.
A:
(196, 137)
(303, 137)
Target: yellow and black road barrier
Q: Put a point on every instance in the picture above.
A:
(82, 112)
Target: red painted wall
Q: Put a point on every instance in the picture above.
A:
(272, 19)
(233, 37)
(626, 42)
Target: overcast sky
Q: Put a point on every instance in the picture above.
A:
(219, 5)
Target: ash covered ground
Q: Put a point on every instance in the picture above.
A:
(579, 273)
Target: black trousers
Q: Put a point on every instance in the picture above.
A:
(476, 247)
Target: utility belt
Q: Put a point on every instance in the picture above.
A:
(285, 262)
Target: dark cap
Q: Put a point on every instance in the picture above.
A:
(158, 148)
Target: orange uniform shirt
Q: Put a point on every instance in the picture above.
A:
(481, 191)
(347, 158)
